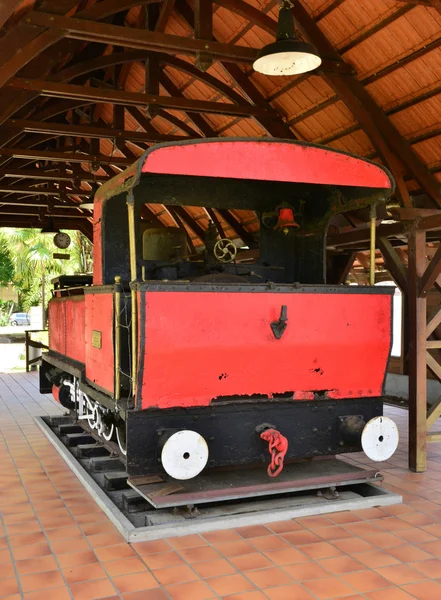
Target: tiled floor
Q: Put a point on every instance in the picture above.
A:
(55, 543)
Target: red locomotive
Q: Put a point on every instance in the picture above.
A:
(225, 358)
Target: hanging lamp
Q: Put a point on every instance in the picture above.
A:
(287, 55)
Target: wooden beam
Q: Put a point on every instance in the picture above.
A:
(431, 273)
(417, 354)
(203, 30)
(69, 157)
(69, 91)
(435, 410)
(90, 131)
(186, 218)
(50, 190)
(165, 13)
(50, 175)
(128, 37)
(246, 236)
(393, 263)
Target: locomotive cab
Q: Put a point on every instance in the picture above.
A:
(195, 358)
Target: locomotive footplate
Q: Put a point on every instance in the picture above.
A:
(318, 473)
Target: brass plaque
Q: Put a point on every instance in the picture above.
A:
(96, 339)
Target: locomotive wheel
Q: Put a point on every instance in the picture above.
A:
(93, 417)
(121, 438)
(105, 431)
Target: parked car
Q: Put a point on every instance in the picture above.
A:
(19, 319)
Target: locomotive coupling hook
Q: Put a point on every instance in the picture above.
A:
(277, 447)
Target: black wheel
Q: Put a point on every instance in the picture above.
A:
(14, 323)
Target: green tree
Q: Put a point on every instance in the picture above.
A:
(31, 255)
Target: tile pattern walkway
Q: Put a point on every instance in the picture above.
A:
(55, 543)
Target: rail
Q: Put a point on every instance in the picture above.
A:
(30, 343)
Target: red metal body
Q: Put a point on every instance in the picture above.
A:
(200, 346)
(67, 326)
(100, 354)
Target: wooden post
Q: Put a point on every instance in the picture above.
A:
(417, 353)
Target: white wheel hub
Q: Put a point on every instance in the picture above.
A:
(379, 439)
(184, 455)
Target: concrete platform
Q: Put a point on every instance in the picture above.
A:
(56, 543)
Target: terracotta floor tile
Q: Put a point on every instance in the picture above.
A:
(365, 581)
(156, 594)
(124, 566)
(6, 571)
(199, 554)
(216, 568)
(253, 531)
(21, 528)
(105, 539)
(74, 545)
(78, 573)
(175, 575)
(96, 528)
(409, 553)
(250, 562)
(335, 532)
(230, 584)
(36, 565)
(305, 571)
(344, 517)
(271, 577)
(314, 522)
(384, 539)
(418, 519)
(281, 527)
(235, 548)
(353, 545)
(424, 590)
(5, 555)
(269, 542)
(27, 540)
(59, 593)
(38, 581)
(390, 594)
(430, 568)
(369, 513)
(433, 548)
(416, 536)
(187, 541)
(74, 559)
(401, 574)
(286, 556)
(376, 558)
(135, 582)
(162, 560)
(288, 592)
(221, 537)
(320, 550)
(341, 564)
(194, 590)
(92, 590)
(246, 596)
(114, 552)
(390, 523)
(298, 538)
(8, 587)
(330, 587)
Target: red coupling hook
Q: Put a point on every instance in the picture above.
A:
(278, 447)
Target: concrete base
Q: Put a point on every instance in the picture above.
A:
(398, 385)
(163, 524)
